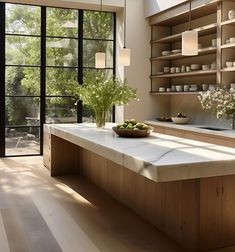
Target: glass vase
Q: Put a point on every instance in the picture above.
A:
(100, 118)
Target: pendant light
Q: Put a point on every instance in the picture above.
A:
(190, 38)
(125, 53)
(100, 56)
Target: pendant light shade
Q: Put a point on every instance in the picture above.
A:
(125, 54)
(100, 60)
(190, 38)
(190, 43)
(100, 56)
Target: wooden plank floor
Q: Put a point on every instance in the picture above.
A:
(43, 214)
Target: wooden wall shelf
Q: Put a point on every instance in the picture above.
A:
(228, 22)
(201, 52)
(230, 45)
(174, 93)
(204, 30)
(192, 73)
(228, 69)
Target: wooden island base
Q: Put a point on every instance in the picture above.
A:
(198, 213)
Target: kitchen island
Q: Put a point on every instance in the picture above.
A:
(184, 187)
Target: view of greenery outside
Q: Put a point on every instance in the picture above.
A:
(62, 64)
(22, 82)
(23, 66)
(98, 36)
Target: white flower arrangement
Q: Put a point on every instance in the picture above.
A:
(221, 102)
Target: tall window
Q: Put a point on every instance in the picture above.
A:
(47, 51)
(61, 64)
(98, 36)
(22, 83)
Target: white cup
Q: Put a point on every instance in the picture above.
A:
(162, 89)
(229, 64)
(188, 69)
(232, 40)
(214, 42)
(166, 69)
(186, 88)
(211, 87)
(177, 69)
(173, 88)
(173, 69)
(232, 85)
(204, 87)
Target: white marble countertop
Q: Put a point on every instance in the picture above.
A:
(158, 157)
(195, 128)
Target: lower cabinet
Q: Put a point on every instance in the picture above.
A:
(198, 213)
(199, 136)
(217, 211)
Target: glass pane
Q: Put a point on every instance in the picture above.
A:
(90, 47)
(62, 52)
(98, 25)
(22, 50)
(23, 19)
(60, 110)
(22, 141)
(88, 115)
(22, 111)
(61, 81)
(109, 72)
(62, 22)
(22, 81)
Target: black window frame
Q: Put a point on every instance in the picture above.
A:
(42, 66)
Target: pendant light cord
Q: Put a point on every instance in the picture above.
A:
(190, 16)
(124, 25)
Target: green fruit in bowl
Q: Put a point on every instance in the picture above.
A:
(132, 124)
(133, 121)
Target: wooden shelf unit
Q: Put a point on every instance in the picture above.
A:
(167, 37)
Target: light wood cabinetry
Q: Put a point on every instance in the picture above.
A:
(166, 36)
(198, 213)
(217, 210)
(199, 136)
(212, 23)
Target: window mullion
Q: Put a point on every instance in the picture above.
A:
(43, 75)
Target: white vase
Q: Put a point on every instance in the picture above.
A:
(231, 14)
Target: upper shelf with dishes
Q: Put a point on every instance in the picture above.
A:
(215, 62)
(202, 31)
(176, 54)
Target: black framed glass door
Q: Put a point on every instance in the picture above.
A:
(47, 51)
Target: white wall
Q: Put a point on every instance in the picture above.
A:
(138, 37)
(152, 7)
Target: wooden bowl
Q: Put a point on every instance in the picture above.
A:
(133, 133)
